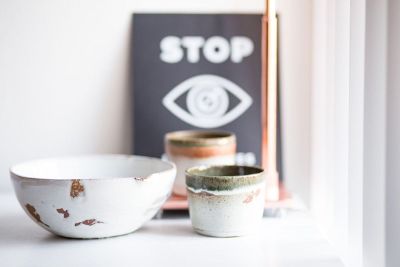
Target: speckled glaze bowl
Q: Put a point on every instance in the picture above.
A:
(193, 148)
(93, 196)
(225, 201)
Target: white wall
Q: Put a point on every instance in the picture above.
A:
(375, 133)
(64, 77)
(295, 40)
(330, 120)
(356, 201)
(393, 138)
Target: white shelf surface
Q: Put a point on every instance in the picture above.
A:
(289, 241)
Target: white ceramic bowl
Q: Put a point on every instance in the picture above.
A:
(93, 196)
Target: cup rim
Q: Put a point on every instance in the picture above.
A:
(198, 181)
(200, 138)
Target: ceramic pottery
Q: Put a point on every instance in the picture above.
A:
(194, 148)
(225, 201)
(93, 196)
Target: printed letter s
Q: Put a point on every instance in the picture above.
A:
(171, 51)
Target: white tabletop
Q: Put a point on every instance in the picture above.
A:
(289, 241)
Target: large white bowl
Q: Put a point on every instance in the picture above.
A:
(93, 196)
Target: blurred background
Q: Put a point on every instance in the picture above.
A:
(65, 78)
(64, 90)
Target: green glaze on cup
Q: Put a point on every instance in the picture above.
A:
(222, 178)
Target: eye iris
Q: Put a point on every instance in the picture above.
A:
(207, 100)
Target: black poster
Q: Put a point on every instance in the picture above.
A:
(195, 71)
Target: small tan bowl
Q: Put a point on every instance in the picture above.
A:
(192, 148)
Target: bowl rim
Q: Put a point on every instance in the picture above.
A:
(14, 174)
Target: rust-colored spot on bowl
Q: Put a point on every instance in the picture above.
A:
(140, 179)
(64, 212)
(88, 222)
(32, 211)
(76, 188)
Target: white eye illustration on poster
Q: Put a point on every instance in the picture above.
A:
(207, 101)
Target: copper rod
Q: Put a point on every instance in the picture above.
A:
(266, 8)
(264, 85)
(269, 95)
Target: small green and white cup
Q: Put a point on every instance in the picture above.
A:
(225, 200)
